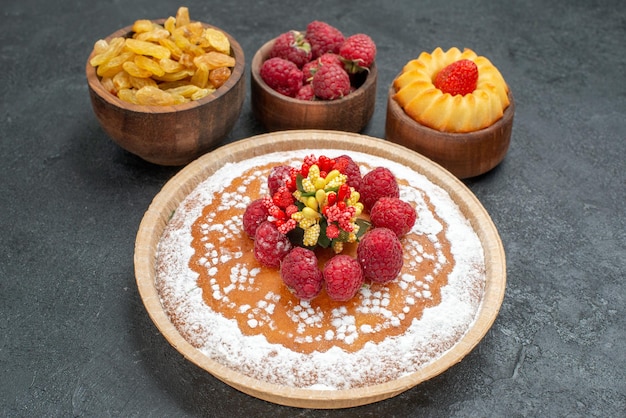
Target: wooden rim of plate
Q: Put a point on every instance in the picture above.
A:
(177, 188)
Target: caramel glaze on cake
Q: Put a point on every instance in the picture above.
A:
(426, 104)
(277, 337)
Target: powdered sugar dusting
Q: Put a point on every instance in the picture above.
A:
(448, 314)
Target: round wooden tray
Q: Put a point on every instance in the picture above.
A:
(168, 199)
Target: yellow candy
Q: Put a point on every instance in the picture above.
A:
(330, 176)
(309, 213)
(320, 183)
(311, 235)
(308, 185)
(320, 196)
(311, 202)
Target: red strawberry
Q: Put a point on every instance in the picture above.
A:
(301, 274)
(282, 75)
(331, 82)
(346, 165)
(380, 254)
(380, 182)
(256, 213)
(280, 176)
(393, 213)
(343, 277)
(460, 77)
(323, 38)
(292, 46)
(358, 52)
(270, 245)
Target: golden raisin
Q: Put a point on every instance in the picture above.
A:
(201, 76)
(147, 48)
(133, 69)
(164, 64)
(217, 40)
(149, 65)
(153, 96)
(182, 16)
(214, 59)
(219, 76)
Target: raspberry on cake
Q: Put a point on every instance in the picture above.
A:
(343, 277)
(378, 183)
(270, 245)
(256, 213)
(301, 274)
(393, 213)
(380, 255)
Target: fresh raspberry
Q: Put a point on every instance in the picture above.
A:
(279, 176)
(323, 38)
(358, 52)
(460, 77)
(380, 254)
(346, 165)
(282, 75)
(292, 46)
(380, 182)
(393, 213)
(309, 69)
(331, 82)
(301, 274)
(256, 213)
(270, 245)
(343, 277)
(306, 93)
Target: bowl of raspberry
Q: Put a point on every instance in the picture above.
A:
(165, 103)
(318, 78)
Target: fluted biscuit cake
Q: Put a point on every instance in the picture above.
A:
(418, 93)
(239, 312)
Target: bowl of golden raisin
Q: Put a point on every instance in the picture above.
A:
(167, 90)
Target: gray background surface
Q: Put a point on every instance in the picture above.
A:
(75, 339)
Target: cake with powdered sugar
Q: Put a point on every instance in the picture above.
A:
(239, 312)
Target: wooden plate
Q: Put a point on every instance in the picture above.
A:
(168, 199)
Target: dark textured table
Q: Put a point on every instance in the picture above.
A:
(75, 339)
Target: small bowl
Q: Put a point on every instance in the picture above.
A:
(278, 112)
(463, 154)
(170, 135)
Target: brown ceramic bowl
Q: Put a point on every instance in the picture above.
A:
(463, 154)
(278, 112)
(170, 135)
